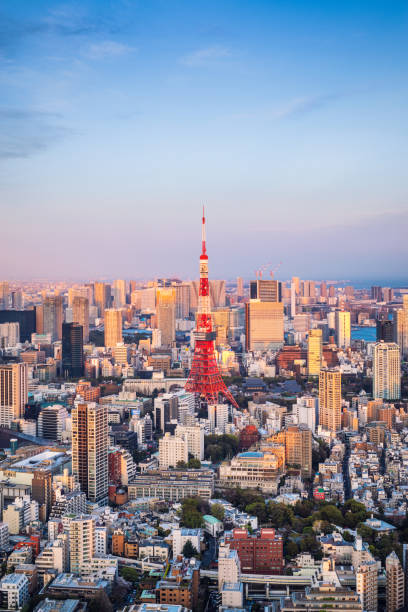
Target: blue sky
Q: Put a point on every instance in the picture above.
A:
(287, 119)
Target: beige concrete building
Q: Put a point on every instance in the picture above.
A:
(166, 314)
(80, 314)
(172, 449)
(314, 352)
(386, 371)
(395, 587)
(264, 325)
(113, 327)
(13, 392)
(330, 400)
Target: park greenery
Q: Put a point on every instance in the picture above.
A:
(218, 448)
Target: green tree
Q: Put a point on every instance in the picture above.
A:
(194, 463)
(218, 511)
(181, 465)
(291, 550)
(189, 550)
(332, 514)
(259, 510)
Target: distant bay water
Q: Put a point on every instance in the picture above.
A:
(361, 332)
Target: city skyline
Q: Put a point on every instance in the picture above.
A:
(283, 118)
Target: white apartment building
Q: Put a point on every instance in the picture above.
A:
(81, 541)
(15, 588)
(229, 567)
(181, 536)
(218, 417)
(4, 536)
(101, 540)
(194, 436)
(172, 450)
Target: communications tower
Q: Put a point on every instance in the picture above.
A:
(205, 377)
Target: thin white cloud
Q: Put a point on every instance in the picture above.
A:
(206, 56)
(106, 49)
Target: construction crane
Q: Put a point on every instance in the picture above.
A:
(262, 269)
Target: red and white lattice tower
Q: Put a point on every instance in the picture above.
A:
(205, 377)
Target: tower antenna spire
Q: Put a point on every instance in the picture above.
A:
(203, 240)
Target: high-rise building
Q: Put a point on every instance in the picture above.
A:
(172, 450)
(166, 314)
(264, 325)
(401, 327)
(330, 400)
(80, 314)
(41, 492)
(376, 293)
(343, 328)
(52, 315)
(51, 422)
(9, 334)
(386, 371)
(25, 318)
(13, 392)
(292, 299)
(240, 287)
(4, 295)
(72, 350)
(323, 290)
(102, 297)
(81, 542)
(221, 320)
(385, 330)
(113, 327)
(90, 449)
(395, 587)
(194, 436)
(298, 447)
(183, 300)
(314, 352)
(218, 417)
(367, 585)
(119, 293)
(265, 290)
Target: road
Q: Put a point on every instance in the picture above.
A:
(210, 553)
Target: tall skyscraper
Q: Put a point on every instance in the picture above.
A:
(113, 327)
(102, 297)
(292, 299)
(386, 371)
(323, 290)
(343, 328)
(166, 314)
(385, 330)
(90, 449)
(183, 300)
(119, 293)
(4, 295)
(314, 352)
(264, 325)
(265, 290)
(52, 314)
(298, 447)
(395, 587)
(13, 392)
(240, 287)
(296, 282)
(401, 325)
(367, 585)
(81, 542)
(80, 314)
(330, 400)
(376, 293)
(72, 350)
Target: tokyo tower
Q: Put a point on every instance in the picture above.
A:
(205, 377)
